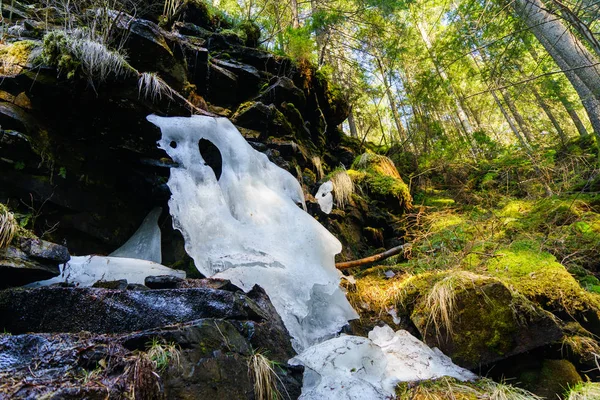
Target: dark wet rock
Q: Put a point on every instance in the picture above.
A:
(266, 119)
(252, 79)
(223, 328)
(212, 363)
(151, 49)
(283, 90)
(222, 85)
(163, 282)
(137, 286)
(197, 65)
(43, 250)
(190, 29)
(112, 285)
(30, 260)
(77, 366)
(53, 309)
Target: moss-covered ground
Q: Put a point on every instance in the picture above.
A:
(488, 264)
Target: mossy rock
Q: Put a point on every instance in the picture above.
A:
(539, 277)
(379, 176)
(552, 380)
(477, 320)
(251, 32)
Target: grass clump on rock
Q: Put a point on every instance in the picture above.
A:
(8, 227)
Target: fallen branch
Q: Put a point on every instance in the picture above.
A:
(371, 259)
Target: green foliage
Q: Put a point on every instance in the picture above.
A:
(299, 44)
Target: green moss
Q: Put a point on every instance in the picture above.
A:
(57, 53)
(234, 34)
(467, 298)
(251, 32)
(15, 55)
(381, 178)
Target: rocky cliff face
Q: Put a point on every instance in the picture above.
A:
(79, 159)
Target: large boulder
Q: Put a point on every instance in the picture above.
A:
(477, 320)
(197, 340)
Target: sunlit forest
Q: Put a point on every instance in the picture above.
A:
(300, 199)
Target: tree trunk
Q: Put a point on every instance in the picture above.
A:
(352, 123)
(569, 107)
(549, 114)
(560, 42)
(574, 116)
(295, 18)
(461, 114)
(581, 27)
(517, 116)
(392, 101)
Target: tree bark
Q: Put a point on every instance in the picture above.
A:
(549, 114)
(295, 18)
(559, 42)
(581, 27)
(517, 116)
(352, 123)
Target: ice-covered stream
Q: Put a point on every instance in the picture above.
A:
(248, 226)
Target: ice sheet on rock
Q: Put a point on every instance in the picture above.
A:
(353, 367)
(145, 242)
(86, 270)
(346, 367)
(409, 359)
(325, 197)
(247, 226)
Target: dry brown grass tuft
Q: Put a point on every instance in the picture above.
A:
(343, 187)
(264, 377)
(8, 227)
(379, 163)
(152, 87)
(440, 301)
(318, 164)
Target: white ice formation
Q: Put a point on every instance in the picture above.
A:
(357, 368)
(248, 227)
(145, 242)
(324, 197)
(86, 270)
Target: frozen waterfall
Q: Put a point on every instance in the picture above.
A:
(247, 226)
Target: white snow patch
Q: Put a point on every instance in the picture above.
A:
(86, 270)
(325, 197)
(247, 227)
(145, 242)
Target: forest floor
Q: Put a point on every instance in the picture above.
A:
(483, 270)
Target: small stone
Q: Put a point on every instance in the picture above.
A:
(163, 282)
(114, 285)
